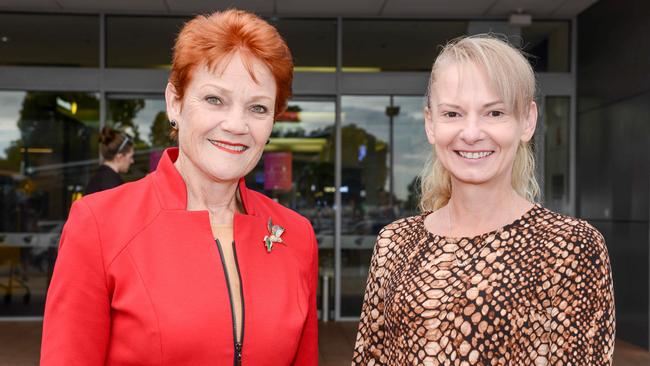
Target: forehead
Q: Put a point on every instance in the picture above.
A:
(462, 80)
(237, 71)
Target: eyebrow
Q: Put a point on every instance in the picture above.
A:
(492, 104)
(486, 105)
(229, 92)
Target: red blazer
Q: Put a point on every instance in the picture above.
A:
(139, 281)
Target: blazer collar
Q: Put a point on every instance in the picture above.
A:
(172, 190)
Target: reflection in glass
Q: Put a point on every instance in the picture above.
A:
(312, 42)
(395, 45)
(144, 118)
(556, 153)
(49, 40)
(141, 42)
(47, 151)
(411, 149)
(297, 170)
(375, 192)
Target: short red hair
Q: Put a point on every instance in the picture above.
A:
(209, 39)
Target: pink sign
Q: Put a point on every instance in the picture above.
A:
(277, 171)
(154, 157)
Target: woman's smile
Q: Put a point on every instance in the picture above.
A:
(474, 155)
(229, 147)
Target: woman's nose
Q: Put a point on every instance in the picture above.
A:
(471, 131)
(236, 122)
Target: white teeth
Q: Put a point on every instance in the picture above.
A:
(230, 147)
(474, 155)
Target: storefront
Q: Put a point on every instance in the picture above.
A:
(346, 153)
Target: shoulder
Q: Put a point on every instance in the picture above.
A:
(118, 213)
(567, 228)
(397, 237)
(572, 240)
(298, 229)
(122, 198)
(266, 206)
(406, 226)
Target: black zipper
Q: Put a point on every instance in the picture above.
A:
(238, 346)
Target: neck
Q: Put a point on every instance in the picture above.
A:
(204, 193)
(113, 165)
(476, 209)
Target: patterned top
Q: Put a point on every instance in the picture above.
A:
(535, 292)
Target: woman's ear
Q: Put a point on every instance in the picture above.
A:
(530, 123)
(172, 102)
(428, 125)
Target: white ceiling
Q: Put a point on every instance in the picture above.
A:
(544, 9)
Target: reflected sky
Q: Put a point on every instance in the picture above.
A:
(145, 117)
(11, 103)
(411, 147)
(314, 116)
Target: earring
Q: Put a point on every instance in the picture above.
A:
(173, 124)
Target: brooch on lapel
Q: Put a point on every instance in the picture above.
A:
(275, 237)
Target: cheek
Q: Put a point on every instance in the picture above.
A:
(507, 138)
(444, 135)
(261, 131)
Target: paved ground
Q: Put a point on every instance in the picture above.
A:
(20, 342)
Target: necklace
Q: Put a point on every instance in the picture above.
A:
(454, 240)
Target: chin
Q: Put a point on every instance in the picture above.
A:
(474, 179)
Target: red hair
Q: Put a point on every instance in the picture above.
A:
(213, 38)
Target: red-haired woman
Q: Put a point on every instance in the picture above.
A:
(188, 266)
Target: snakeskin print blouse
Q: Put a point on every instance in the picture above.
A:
(535, 292)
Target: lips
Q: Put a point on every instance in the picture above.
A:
(233, 148)
(474, 155)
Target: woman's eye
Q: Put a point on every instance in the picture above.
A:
(451, 114)
(213, 100)
(496, 113)
(259, 109)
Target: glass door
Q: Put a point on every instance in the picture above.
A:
(297, 170)
(144, 117)
(383, 150)
(553, 145)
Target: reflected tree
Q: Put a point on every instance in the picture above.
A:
(159, 133)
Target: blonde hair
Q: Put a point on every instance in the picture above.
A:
(513, 79)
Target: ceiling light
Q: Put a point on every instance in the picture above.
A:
(520, 20)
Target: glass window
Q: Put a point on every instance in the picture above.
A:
(391, 45)
(297, 170)
(49, 40)
(365, 191)
(48, 148)
(556, 153)
(411, 150)
(144, 118)
(549, 45)
(376, 188)
(312, 42)
(141, 42)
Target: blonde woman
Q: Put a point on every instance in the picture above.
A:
(485, 276)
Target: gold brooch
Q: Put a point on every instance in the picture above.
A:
(275, 237)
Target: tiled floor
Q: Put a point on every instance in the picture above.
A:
(20, 341)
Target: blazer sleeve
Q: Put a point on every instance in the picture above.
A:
(76, 325)
(307, 354)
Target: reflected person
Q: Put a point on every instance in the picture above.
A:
(485, 276)
(188, 266)
(117, 151)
